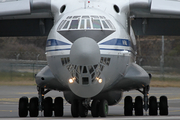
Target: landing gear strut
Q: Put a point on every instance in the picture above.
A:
(37, 104)
(152, 106)
(145, 92)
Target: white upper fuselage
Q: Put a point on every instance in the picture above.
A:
(92, 20)
(91, 8)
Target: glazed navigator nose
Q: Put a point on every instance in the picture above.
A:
(85, 51)
(85, 59)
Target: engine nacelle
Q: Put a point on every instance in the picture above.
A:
(140, 4)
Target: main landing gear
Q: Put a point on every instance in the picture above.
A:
(40, 104)
(81, 107)
(78, 107)
(139, 106)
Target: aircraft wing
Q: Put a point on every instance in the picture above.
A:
(151, 17)
(155, 17)
(25, 17)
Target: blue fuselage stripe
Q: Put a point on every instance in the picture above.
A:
(54, 42)
(58, 50)
(114, 49)
(118, 42)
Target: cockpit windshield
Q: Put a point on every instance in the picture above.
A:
(85, 23)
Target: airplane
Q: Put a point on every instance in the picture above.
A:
(91, 52)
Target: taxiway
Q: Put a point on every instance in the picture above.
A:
(9, 96)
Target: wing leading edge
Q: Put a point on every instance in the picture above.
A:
(35, 18)
(25, 18)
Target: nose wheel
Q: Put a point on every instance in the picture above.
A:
(103, 108)
(150, 104)
(74, 108)
(94, 108)
(81, 107)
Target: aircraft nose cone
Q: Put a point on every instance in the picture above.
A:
(85, 51)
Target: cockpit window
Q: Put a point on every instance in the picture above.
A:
(110, 24)
(66, 25)
(86, 23)
(76, 16)
(102, 17)
(85, 17)
(69, 17)
(96, 24)
(94, 17)
(104, 24)
(74, 24)
(82, 24)
(61, 24)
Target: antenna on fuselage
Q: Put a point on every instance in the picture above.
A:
(85, 3)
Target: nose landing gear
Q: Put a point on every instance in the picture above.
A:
(152, 106)
(81, 107)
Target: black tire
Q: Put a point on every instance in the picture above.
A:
(58, 107)
(74, 108)
(83, 111)
(23, 107)
(128, 106)
(34, 107)
(48, 107)
(153, 105)
(103, 108)
(138, 106)
(94, 108)
(163, 105)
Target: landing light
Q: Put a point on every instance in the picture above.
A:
(99, 80)
(71, 80)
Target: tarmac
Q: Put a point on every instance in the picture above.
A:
(9, 97)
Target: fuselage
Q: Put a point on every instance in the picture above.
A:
(90, 47)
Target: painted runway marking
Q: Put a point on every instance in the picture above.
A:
(108, 118)
(177, 98)
(175, 111)
(27, 93)
(8, 110)
(9, 99)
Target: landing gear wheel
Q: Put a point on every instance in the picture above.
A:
(74, 108)
(128, 106)
(48, 107)
(23, 107)
(58, 107)
(138, 106)
(153, 105)
(94, 108)
(103, 108)
(34, 107)
(83, 111)
(163, 105)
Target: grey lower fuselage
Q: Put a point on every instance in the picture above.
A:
(88, 54)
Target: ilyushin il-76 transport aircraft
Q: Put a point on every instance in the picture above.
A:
(91, 51)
